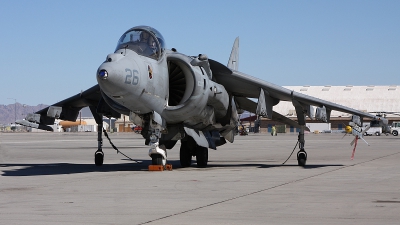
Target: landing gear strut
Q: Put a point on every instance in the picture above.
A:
(302, 154)
(158, 153)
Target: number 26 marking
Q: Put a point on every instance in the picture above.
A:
(131, 78)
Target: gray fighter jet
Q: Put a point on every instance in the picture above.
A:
(174, 97)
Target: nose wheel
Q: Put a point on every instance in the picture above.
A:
(158, 159)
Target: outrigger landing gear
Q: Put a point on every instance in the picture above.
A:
(99, 155)
(302, 154)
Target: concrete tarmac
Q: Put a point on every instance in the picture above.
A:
(50, 178)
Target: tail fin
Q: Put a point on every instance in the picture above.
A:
(233, 62)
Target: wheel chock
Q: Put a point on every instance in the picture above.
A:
(160, 167)
(168, 167)
(156, 168)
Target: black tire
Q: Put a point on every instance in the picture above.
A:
(185, 155)
(301, 162)
(201, 156)
(98, 158)
(395, 133)
(301, 158)
(156, 159)
(377, 134)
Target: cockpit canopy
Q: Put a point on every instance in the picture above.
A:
(144, 40)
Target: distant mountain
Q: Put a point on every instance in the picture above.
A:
(7, 112)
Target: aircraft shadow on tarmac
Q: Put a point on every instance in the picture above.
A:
(260, 165)
(71, 168)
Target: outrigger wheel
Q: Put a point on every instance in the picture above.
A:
(99, 157)
(302, 157)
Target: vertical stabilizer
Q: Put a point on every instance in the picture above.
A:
(233, 62)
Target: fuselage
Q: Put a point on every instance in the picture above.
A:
(132, 79)
(142, 77)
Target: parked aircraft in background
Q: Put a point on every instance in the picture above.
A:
(174, 97)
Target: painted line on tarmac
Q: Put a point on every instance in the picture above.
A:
(46, 141)
(266, 189)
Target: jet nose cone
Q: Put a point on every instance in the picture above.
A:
(110, 77)
(116, 73)
(111, 68)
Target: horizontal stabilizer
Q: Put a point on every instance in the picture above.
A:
(34, 125)
(27, 123)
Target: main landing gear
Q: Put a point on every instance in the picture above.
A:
(190, 148)
(302, 154)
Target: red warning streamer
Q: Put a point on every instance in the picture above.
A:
(354, 150)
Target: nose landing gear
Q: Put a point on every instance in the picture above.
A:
(157, 151)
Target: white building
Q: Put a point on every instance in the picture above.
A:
(363, 98)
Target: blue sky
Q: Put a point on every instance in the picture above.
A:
(50, 50)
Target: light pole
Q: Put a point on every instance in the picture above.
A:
(15, 109)
(15, 113)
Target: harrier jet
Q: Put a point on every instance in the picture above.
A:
(176, 97)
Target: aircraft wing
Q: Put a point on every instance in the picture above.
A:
(67, 109)
(251, 106)
(243, 85)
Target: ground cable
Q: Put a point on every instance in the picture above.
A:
(291, 153)
(116, 149)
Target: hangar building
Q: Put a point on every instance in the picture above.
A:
(363, 98)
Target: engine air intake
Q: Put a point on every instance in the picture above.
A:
(177, 84)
